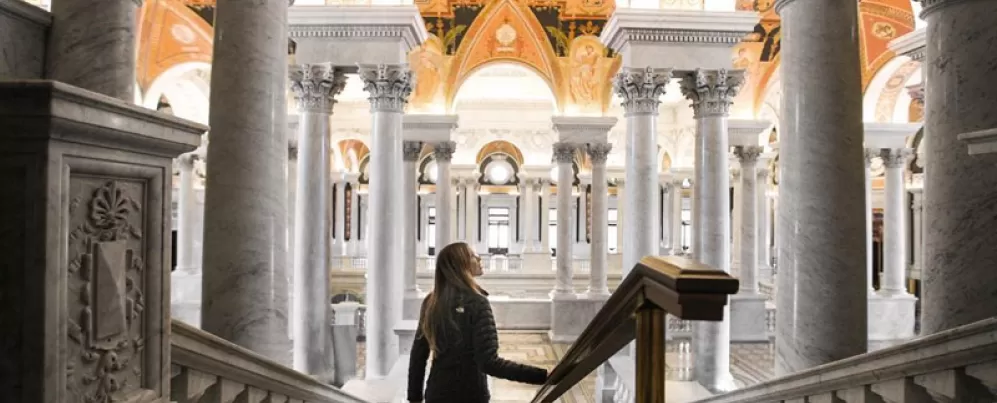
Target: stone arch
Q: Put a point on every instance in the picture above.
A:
(170, 34)
(347, 155)
(886, 98)
(504, 31)
(500, 147)
(186, 87)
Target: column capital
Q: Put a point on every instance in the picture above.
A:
(186, 161)
(895, 157)
(599, 152)
(564, 152)
(315, 86)
(389, 86)
(748, 154)
(411, 150)
(641, 88)
(443, 151)
(711, 91)
(870, 154)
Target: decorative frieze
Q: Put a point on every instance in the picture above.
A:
(712, 91)
(316, 85)
(389, 86)
(641, 88)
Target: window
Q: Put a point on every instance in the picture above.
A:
(498, 230)
(431, 231)
(613, 242)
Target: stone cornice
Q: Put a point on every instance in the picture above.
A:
(670, 26)
(428, 128)
(402, 22)
(981, 142)
(581, 130)
(911, 45)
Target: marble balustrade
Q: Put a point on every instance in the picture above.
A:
(206, 368)
(957, 365)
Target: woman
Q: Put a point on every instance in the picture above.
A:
(456, 325)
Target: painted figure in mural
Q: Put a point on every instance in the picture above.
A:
(583, 80)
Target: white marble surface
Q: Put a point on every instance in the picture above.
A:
(747, 318)
(894, 224)
(764, 217)
(314, 87)
(891, 320)
(959, 190)
(443, 152)
(570, 317)
(600, 220)
(821, 301)
(564, 154)
(711, 93)
(748, 157)
(411, 150)
(389, 87)
(245, 274)
(94, 47)
(23, 30)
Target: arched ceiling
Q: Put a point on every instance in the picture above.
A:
(171, 34)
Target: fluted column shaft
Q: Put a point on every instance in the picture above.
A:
(598, 153)
(564, 154)
(389, 87)
(894, 224)
(245, 273)
(443, 151)
(712, 93)
(764, 218)
(748, 157)
(641, 90)
(870, 275)
(959, 193)
(94, 47)
(821, 304)
(411, 152)
(314, 87)
(186, 218)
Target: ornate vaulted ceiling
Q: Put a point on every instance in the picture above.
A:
(557, 39)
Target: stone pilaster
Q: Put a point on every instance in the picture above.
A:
(389, 86)
(712, 93)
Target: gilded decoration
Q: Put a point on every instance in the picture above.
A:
(172, 34)
(880, 22)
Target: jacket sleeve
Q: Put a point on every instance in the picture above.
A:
(485, 339)
(417, 365)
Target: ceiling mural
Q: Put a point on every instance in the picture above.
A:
(170, 34)
(556, 39)
(881, 21)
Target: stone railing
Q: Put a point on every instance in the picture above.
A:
(206, 368)
(957, 366)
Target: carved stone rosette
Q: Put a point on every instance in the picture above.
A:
(641, 89)
(599, 152)
(315, 86)
(564, 152)
(443, 151)
(411, 150)
(712, 91)
(389, 86)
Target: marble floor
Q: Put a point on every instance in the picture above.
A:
(751, 363)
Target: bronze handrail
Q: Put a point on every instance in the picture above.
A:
(682, 287)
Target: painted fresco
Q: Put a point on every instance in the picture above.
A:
(170, 34)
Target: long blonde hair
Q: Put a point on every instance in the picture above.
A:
(454, 265)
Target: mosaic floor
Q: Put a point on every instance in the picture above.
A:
(751, 363)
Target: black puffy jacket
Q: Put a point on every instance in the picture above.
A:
(460, 369)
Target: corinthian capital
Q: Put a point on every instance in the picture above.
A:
(895, 157)
(443, 151)
(870, 154)
(389, 86)
(748, 154)
(712, 91)
(641, 88)
(564, 152)
(315, 86)
(599, 152)
(411, 150)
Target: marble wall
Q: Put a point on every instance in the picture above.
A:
(23, 29)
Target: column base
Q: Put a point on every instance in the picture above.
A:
(891, 320)
(747, 318)
(570, 316)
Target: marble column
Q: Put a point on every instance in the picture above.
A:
(472, 187)
(676, 228)
(353, 218)
(564, 155)
(94, 47)
(545, 217)
(917, 228)
(389, 86)
(621, 202)
(314, 87)
(764, 218)
(292, 191)
(412, 150)
(640, 89)
(528, 215)
(870, 154)
(712, 93)
(735, 221)
(443, 152)
(581, 234)
(186, 224)
(244, 264)
(821, 303)
(894, 224)
(598, 153)
(960, 189)
(339, 212)
(748, 157)
(668, 194)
